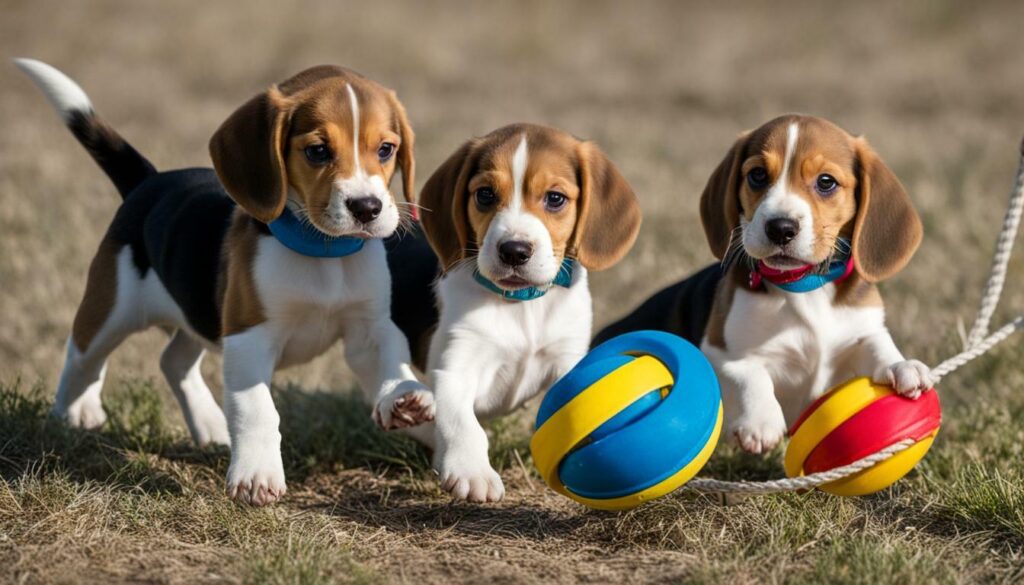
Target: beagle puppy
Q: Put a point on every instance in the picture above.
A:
(806, 220)
(271, 259)
(516, 219)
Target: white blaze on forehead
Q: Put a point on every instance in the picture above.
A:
(355, 126)
(518, 174)
(791, 135)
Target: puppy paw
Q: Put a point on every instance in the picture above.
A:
(85, 414)
(256, 476)
(761, 431)
(909, 378)
(210, 428)
(404, 407)
(467, 478)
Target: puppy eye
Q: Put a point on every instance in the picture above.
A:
(485, 197)
(318, 154)
(385, 151)
(553, 200)
(825, 184)
(757, 178)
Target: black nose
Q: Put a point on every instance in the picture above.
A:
(515, 253)
(364, 209)
(781, 230)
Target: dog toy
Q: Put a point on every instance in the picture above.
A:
(636, 418)
(854, 420)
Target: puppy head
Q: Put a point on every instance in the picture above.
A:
(787, 192)
(326, 142)
(523, 198)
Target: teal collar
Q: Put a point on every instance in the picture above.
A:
(563, 279)
(305, 239)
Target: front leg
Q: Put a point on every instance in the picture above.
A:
(256, 473)
(879, 357)
(753, 415)
(460, 457)
(378, 353)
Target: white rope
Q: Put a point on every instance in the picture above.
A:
(978, 342)
(1000, 260)
(802, 482)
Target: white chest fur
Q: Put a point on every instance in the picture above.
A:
(805, 341)
(514, 349)
(307, 301)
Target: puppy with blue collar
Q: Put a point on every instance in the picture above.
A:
(516, 219)
(272, 258)
(806, 220)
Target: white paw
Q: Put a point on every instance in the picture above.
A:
(256, 475)
(470, 478)
(761, 430)
(909, 378)
(85, 413)
(408, 405)
(210, 428)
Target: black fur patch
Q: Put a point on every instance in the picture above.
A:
(414, 269)
(175, 223)
(118, 159)
(682, 309)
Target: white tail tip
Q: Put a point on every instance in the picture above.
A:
(63, 93)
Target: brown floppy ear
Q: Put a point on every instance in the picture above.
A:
(248, 155)
(887, 230)
(443, 199)
(720, 202)
(608, 219)
(406, 160)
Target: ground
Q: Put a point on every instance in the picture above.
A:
(664, 88)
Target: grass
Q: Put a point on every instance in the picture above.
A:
(663, 87)
(136, 501)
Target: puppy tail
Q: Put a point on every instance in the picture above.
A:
(122, 163)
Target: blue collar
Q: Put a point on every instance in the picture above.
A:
(803, 279)
(563, 279)
(305, 239)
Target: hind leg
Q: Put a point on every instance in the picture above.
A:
(104, 319)
(180, 363)
(78, 393)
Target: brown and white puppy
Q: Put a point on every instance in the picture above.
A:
(516, 218)
(790, 196)
(194, 255)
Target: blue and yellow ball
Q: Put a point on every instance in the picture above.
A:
(638, 417)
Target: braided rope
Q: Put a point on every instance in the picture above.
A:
(802, 482)
(979, 341)
(1000, 260)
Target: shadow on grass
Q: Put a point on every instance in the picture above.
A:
(33, 442)
(138, 449)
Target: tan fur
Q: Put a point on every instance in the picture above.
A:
(258, 154)
(597, 225)
(258, 151)
(241, 308)
(100, 294)
(724, 293)
(869, 206)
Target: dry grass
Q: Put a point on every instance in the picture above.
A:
(663, 88)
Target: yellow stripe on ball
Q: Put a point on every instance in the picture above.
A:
(575, 421)
(659, 489)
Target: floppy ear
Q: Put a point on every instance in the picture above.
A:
(405, 156)
(443, 200)
(248, 155)
(720, 202)
(609, 215)
(887, 230)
